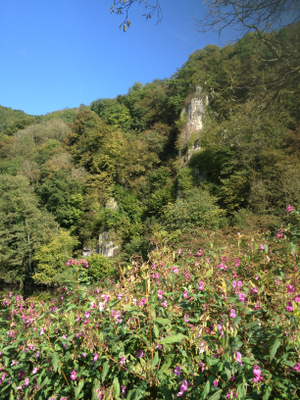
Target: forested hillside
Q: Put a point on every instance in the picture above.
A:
(118, 170)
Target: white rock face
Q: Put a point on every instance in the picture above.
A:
(195, 112)
(190, 135)
(106, 247)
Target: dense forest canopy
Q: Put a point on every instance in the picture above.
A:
(123, 168)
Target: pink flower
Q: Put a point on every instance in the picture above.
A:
(42, 331)
(242, 297)
(261, 247)
(35, 370)
(254, 290)
(26, 382)
(289, 306)
(296, 367)
(215, 383)
(238, 357)
(165, 304)
(177, 371)
(220, 329)
(73, 375)
(289, 208)
(119, 296)
(201, 286)
(236, 262)
(232, 313)
(183, 388)
(185, 294)
(179, 251)
(257, 374)
(290, 288)
(96, 357)
(140, 353)
(122, 360)
(234, 284)
(199, 253)
(297, 299)
(175, 269)
(186, 318)
(160, 294)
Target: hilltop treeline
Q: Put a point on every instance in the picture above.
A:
(118, 165)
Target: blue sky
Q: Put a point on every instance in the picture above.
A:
(63, 53)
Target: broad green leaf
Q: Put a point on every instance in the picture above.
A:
(241, 390)
(95, 389)
(173, 339)
(252, 324)
(105, 370)
(78, 388)
(163, 321)
(267, 392)
(216, 395)
(55, 361)
(116, 385)
(156, 331)
(206, 390)
(155, 360)
(167, 363)
(274, 348)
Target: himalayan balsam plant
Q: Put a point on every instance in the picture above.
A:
(212, 324)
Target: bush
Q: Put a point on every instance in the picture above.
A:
(196, 208)
(100, 267)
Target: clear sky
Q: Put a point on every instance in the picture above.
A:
(63, 53)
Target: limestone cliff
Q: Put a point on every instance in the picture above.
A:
(189, 138)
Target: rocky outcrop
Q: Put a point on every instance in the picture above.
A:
(106, 245)
(189, 140)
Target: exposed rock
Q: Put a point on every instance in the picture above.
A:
(106, 246)
(189, 140)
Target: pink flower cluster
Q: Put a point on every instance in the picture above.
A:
(257, 374)
(183, 388)
(71, 261)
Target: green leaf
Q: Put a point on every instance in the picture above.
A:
(216, 395)
(173, 339)
(78, 388)
(267, 392)
(116, 386)
(241, 390)
(156, 331)
(274, 348)
(95, 389)
(168, 361)
(155, 360)
(163, 321)
(55, 361)
(206, 390)
(105, 370)
(252, 324)
(71, 318)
